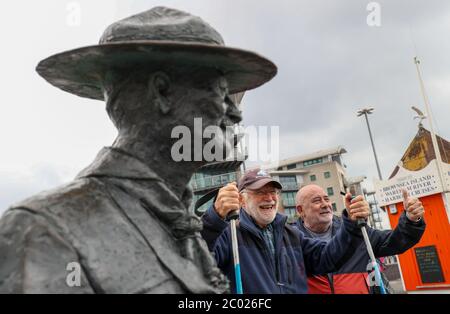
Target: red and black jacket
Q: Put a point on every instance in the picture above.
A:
(351, 278)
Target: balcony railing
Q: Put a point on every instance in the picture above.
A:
(290, 186)
(213, 181)
(288, 202)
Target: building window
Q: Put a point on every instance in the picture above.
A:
(206, 180)
(334, 206)
(288, 179)
(202, 208)
(288, 198)
(205, 206)
(337, 158)
(291, 166)
(289, 182)
(290, 212)
(312, 162)
(327, 174)
(330, 191)
(312, 177)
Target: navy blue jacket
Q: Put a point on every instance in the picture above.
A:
(296, 256)
(352, 276)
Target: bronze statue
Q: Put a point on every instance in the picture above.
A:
(124, 220)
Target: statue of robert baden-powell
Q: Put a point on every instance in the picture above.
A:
(124, 219)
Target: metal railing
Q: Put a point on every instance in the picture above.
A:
(213, 181)
(290, 186)
(288, 202)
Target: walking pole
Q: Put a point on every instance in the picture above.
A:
(361, 223)
(232, 217)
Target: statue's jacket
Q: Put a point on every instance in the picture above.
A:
(106, 227)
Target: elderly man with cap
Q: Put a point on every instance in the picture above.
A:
(274, 256)
(123, 225)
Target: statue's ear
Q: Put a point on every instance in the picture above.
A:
(159, 83)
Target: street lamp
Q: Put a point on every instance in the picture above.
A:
(365, 112)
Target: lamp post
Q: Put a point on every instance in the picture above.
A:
(365, 112)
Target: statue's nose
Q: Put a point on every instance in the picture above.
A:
(232, 111)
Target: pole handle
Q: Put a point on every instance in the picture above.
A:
(232, 215)
(360, 222)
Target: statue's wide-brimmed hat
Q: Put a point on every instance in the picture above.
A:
(160, 37)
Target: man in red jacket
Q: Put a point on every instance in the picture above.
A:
(317, 221)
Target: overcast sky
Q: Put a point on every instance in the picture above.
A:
(330, 64)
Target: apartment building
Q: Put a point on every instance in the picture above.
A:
(324, 168)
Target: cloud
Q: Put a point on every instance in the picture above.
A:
(18, 185)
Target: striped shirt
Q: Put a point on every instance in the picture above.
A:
(268, 237)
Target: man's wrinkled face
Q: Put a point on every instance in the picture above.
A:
(316, 207)
(261, 204)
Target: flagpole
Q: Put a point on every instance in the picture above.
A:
(433, 139)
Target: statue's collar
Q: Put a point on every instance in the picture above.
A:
(114, 162)
(122, 167)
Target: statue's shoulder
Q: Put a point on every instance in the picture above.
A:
(77, 194)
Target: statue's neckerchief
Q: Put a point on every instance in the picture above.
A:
(137, 179)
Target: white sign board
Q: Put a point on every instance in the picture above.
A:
(418, 183)
(446, 169)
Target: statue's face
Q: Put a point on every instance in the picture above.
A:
(204, 106)
(152, 105)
